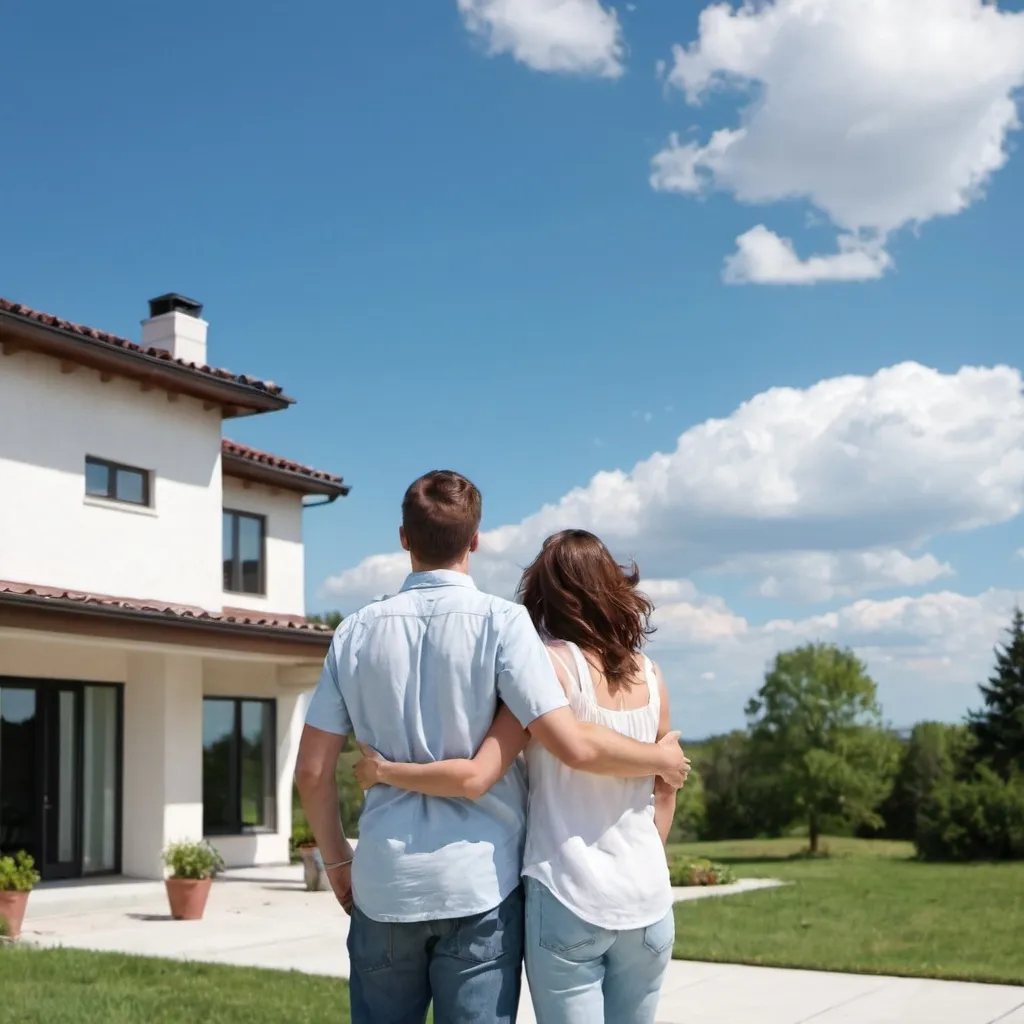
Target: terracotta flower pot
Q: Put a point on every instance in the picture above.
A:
(187, 897)
(313, 869)
(12, 910)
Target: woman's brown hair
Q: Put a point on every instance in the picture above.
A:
(575, 590)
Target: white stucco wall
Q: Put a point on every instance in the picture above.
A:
(285, 569)
(162, 757)
(52, 534)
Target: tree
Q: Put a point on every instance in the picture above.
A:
(816, 732)
(998, 728)
(934, 753)
(332, 619)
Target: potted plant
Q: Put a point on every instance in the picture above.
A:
(192, 867)
(312, 863)
(18, 875)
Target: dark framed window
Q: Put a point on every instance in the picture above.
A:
(239, 770)
(244, 552)
(116, 482)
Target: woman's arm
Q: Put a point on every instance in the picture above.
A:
(460, 777)
(664, 794)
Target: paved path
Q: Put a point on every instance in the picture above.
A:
(264, 918)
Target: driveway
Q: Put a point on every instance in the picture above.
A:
(264, 918)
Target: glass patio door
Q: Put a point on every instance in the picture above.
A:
(60, 775)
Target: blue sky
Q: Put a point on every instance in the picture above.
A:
(437, 228)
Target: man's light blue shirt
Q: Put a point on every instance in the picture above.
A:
(418, 676)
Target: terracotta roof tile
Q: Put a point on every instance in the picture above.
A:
(163, 609)
(242, 451)
(47, 320)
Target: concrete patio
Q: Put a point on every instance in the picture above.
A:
(265, 918)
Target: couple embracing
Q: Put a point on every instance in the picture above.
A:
(471, 856)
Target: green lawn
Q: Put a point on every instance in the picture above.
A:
(74, 987)
(867, 907)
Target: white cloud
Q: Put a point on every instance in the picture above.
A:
(881, 113)
(762, 257)
(926, 653)
(816, 576)
(565, 36)
(850, 464)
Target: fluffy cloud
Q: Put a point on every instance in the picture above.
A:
(565, 36)
(762, 257)
(927, 653)
(881, 113)
(816, 576)
(851, 464)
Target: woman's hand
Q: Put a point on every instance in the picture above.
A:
(369, 768)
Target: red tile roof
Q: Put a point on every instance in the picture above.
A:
(57, 597)
(335, 484)
(47, 320)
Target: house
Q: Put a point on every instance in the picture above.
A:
(154, 651)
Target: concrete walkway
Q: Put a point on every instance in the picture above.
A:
(264, 918)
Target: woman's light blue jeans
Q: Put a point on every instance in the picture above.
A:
(582, 974)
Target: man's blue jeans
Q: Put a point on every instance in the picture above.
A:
(470, 967)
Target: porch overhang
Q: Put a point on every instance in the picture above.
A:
(41, 612)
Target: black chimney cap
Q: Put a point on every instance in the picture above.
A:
(172, 302)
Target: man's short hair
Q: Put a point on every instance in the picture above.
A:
(440, 515)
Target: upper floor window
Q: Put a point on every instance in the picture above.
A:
(244, 552)
(116, 482)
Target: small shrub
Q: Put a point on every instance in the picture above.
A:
(980, 818)
(302, 835)
(18, 873)
(193, 860)
(699, 871)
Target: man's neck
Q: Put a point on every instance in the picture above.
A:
(462, 565)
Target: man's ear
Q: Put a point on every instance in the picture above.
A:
(402, 537)
(474, 543)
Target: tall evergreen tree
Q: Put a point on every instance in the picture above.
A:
(998, 728)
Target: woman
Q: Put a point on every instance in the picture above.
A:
(599, 923)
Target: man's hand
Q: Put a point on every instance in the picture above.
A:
(368, 768)
(341, 884)
(677, 765)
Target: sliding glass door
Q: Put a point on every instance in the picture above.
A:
(60, 777)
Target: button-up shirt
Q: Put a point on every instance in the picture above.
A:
(418, 676)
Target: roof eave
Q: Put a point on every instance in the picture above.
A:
(78, 609)
(273, 476)
(236, 398)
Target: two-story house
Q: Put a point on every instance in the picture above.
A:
(154, 650)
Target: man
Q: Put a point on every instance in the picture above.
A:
(434, 888)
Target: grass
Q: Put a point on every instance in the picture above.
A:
(867, 907)
(70, 986)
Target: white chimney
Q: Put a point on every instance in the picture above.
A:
(175, 324)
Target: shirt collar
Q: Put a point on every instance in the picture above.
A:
(437, 578)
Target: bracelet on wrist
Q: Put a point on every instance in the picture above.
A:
(337, 864)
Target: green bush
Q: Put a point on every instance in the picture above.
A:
(980, 818)
(18, 873)
(699, 871)
(193, 860)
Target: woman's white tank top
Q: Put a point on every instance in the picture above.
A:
(591, 839)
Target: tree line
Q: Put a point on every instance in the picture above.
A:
(816, 756)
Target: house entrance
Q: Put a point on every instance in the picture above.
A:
(60, 774)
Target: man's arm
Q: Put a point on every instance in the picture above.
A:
(529, 685)
(323, 739)
(460, 777)
(593, 748)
